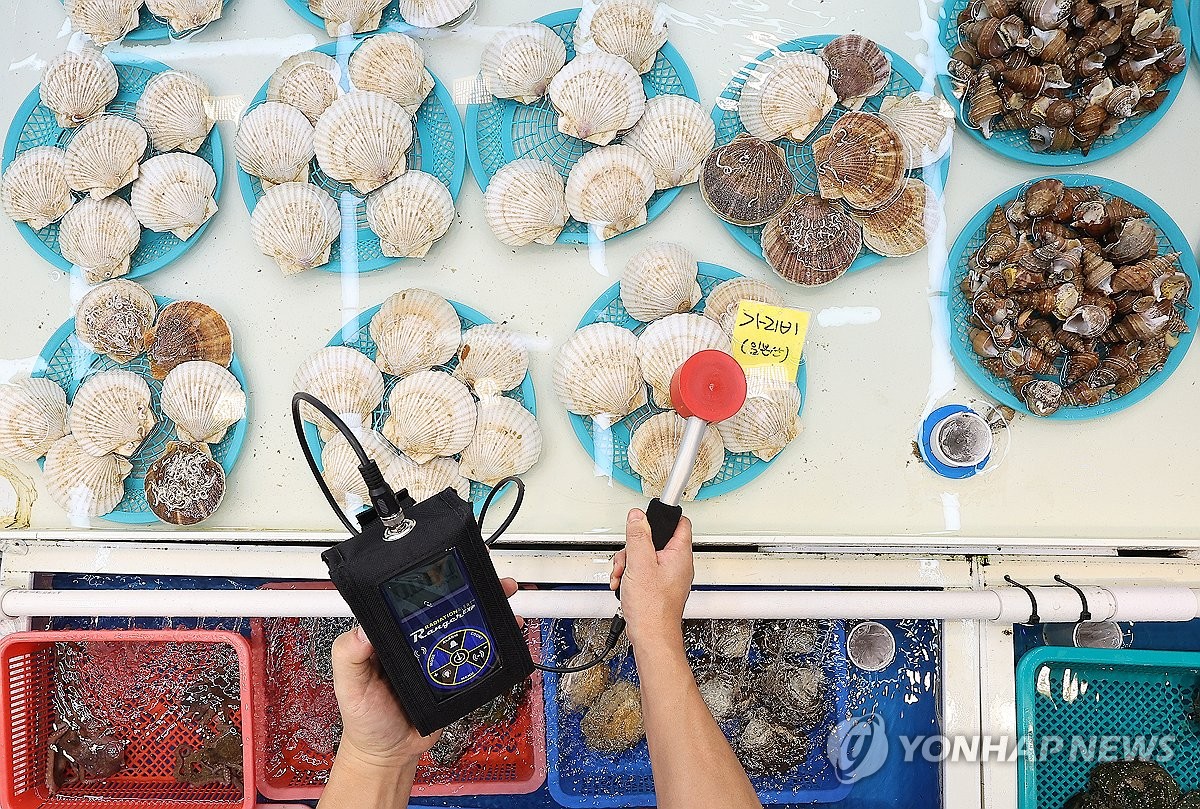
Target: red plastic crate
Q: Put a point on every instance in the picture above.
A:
(27, 661)
(504, 761)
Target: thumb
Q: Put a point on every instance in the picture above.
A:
(681, 540)
(639, 542)
(353, 659)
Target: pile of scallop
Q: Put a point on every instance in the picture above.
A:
(430, 409)
(171, 188)
(642, 145)
(108, 21)
(865, 196)
(360, 138)
(345, 17)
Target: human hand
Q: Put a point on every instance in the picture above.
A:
(654, 584)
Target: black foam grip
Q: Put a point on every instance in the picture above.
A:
(663, 520)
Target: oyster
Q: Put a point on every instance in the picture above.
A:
(410, 213)
(613, 724)
(99, 236)
(430, 414)
(415, 330)
(660, 280)
(17, 496)
(104, 21)
(597, 96)
(597, 373)
(362, 139)
(186, 15)
(788, 95)
(275, 143)
(296, 224)
(925, 124)
(723, 299)
(788, 638)
(667, 343)
(344, 17)
(346, 381)
(631, 29)
(654, 445)
(812, 242)
(526, 202)
(392, 64)
(104, 154)
(111, 413)
(33, 415)
(580, 689)
(203, 399)
(608, 188)
(725, 639)
(795, 695)
(901, 227)
(307, 81)
(185, 486)
(174, 193)
(675, 134)
(520, 61)
(861, 160)
(186, 331)
(720, 692)
(507, 441)
(435, 13)
(768, 748)
(858, 69)
(339, 468)
(1134, 783)
(114, 319)
(82, 484)
(747, 181)
(769, 419)
(36, 190)
(176, 109)
(492, 359)
(78, 84)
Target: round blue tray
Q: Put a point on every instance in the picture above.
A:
(739, 468)
(35, 125)
(1195, 26)
(356, 334)
(437, 149)
(1170, 238)
(503, 130)
(68, 363)
(390, 21)
(1015, 144)
(153, 29)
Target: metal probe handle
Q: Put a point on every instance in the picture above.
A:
(664, 512)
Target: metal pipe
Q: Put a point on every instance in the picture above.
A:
(685, 461)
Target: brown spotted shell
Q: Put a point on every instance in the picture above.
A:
(185, 485)
(747, 181)
(858, 69)
(186, 331)
(861, 160)
(813, 241)
(900, 227)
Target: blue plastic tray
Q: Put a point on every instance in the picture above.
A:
(1195, 25)
(390, 21)
(153, 29)
(739, 468)
(1170, 238)
(905, 79)
(1015, 144)
(1130, 693)
(437, 149)
(503, 130)
(578, 776)
(35, 125)
(68, 363)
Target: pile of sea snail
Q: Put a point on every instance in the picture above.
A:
(1071, 302)
(1068, 71)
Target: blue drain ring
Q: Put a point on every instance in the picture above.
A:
(946, 471)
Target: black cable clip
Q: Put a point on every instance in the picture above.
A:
(1086, 615)
(1034, 618)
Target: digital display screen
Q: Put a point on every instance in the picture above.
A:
(420, 589)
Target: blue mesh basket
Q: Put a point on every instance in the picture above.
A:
(68, 363)
(35, 125)
(390, 21)
(1170, 238)
(1194, 8)
(503, 130)
(739, 468)
(154, 29)
(437, 149)
(578, 776)
(1015, 144)
(905, 79)
(1129, 693)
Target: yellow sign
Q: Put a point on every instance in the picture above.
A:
(769, 336)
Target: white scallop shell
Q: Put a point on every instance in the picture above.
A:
(432, 477)
(203, 399)
(654, 445)
(307, 81)
(526, 202)
(925, 124)
(296, 224)
(99, 236)
(343, 379)
(430, 414)
(415, 330)
(339, 467)
(392, 64)
(675, 134)
(104, 21)
(115, 319)
(667, 343)
(507, 441)
(608, 188)
(104, 154)
(520, 61)
(111, 413)
(84, 485)
(33, 415)
(769, 419)
(410, 213)
(77, 85)
(787, 95)
(174, 192)
(902, 226)
(362, 139)
(492, 359)
(274, 142)
(176, 110)
(723, 299)
(631, 29)
(597, 96)
(434, 13)
(186, 15)
(35, 187)
(597, 372)
(344, 17)
(660, 280)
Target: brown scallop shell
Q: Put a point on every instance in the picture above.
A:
(899, 228)
(861, 160)
(858, 69)
(747, 181)
(812, 242)
(185, 485)
(185, 331)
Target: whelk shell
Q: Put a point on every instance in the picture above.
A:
(860, 160)
(33, 415)
(185, 331)
(858, 69)
(507, 441)
(410, 213)
(667, 343)
(631, 29)
(675, 134)
(520, 61)
(660, 280)
(608, 188)
(176, 110)
(104, 21)
(526, 202)
(103, 156)
(203, 399)
(430, 414)
(174, 192)
(185, 486)
(492, 359)
(36, 191)
(296, 224)
(343, 379)
(654, 446)
(435, 13)
(812, 242)
(787, 95)
(111, 413)
(307, 81)
(275, 143)
(343, 17)
(114, 319)
(392, 64)
(362, 139)
(18, 493)
(82, 484)
(723, 299)
(99, 236)
(925, 124)
(901, 227)
(77, 85)
(597, 373)
(769, 419)
(415, 330)
(747, 181)
(597, 96)
(186, 15)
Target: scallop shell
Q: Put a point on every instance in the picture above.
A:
(275, 143)
(675, 134)
(925, 124)
(344, 17)
(597, 372)
(296, 224)
(77, 85)
(597, 96)
(339, 467)
(747, 181)
(111, 413)
(362, 139)
(520, 61)
(203, 399)
(392, 64)
(410, 213)
(723, 299)
(492, 359)
(99, 236)
(812, 242)
(654, 445)
(104, 21)
(415, 330)
(18, 493)
(507, 441)
(186, 15)
(343, 379)
(104, 154)
(176, 110)
(858, 69)
(115, 318)
(185, 486)
(769, 419)
(430, 414)
(526, 202)
(432, 478)
(186, 331)
(608, 188)
(82, 484)
(631, 29)
(787, 95)
(901, 227)
(307, 81)
(435, 13)
(861, 160)
(666, 344)
(33, 415)
(660, 280)
(174, 193)
(35, 190)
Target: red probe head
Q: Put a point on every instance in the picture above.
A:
(710, 385)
